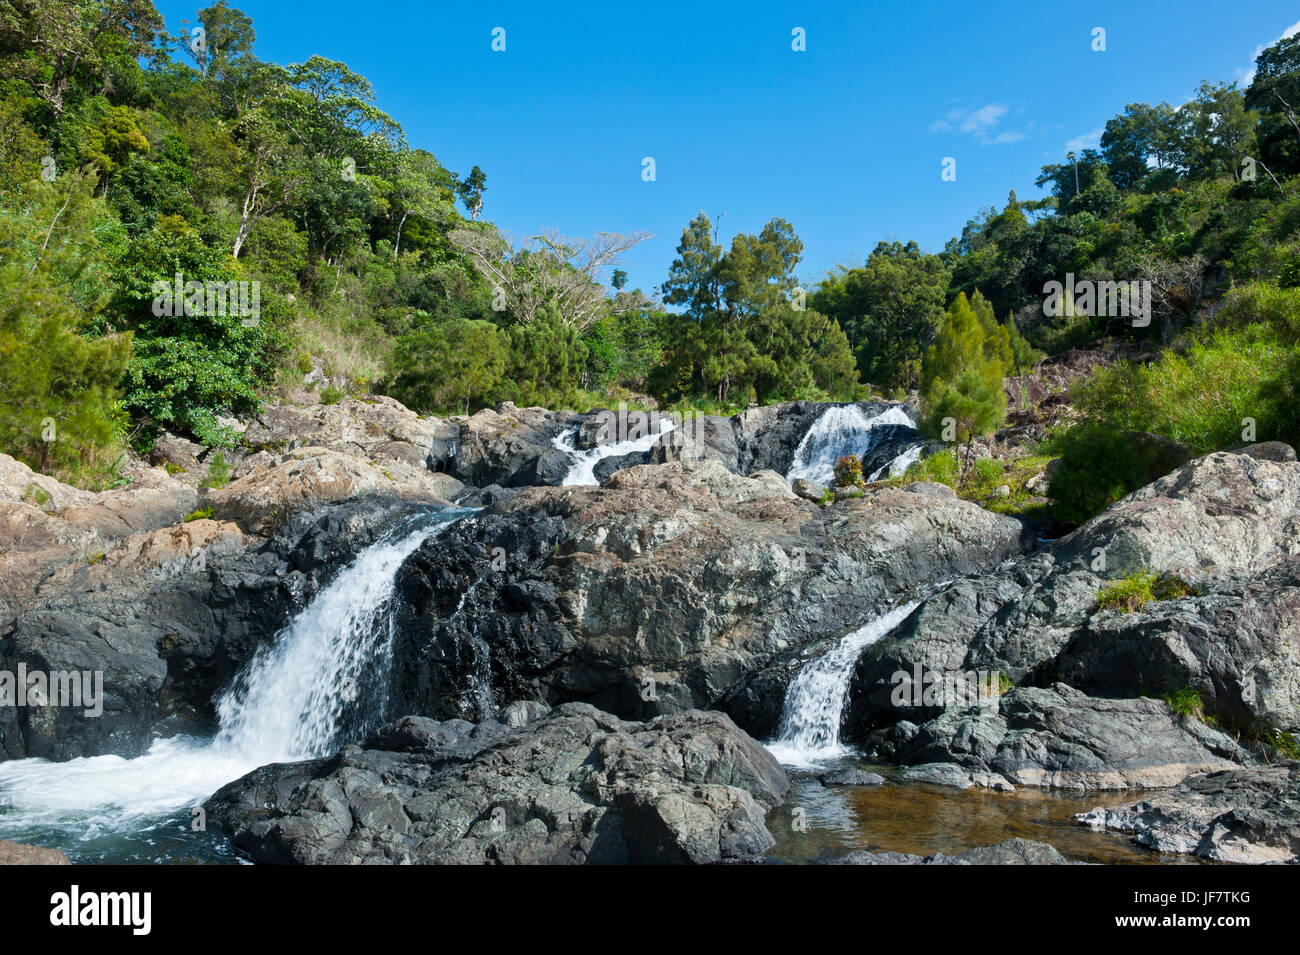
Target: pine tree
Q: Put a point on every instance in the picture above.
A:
(962, 376)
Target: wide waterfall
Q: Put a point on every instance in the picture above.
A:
(847, 429)
(814, 702)
(321, 683)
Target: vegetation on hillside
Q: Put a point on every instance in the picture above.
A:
(186, 230)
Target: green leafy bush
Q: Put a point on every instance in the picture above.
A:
(848, 471)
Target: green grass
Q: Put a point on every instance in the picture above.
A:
(172, 468)
(202, 514)
(331, 396)
(986, 475)
(1136, 591)
(37, 495)
(218, 473)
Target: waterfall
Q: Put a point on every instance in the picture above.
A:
(320, 683)
(814, 702)
(582, 471)
(846, 429)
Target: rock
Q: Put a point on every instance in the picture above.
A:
(169, 617)
(1270, 451)
(852, 777)
(1058, 737)
(313, 477)
(809, 490)
(13, 853)
(1011, 852)
(573, 785)
(1002, 490)
(504, 446)
(955, 776)
(711, 585)
(930, 488)
(848, 493)
(178, 452)
(1242, 815)
(1226, 521)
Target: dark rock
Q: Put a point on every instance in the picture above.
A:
(1242, 815)
(670, 587)
(852, 777)
(809, 490)
(574, 785)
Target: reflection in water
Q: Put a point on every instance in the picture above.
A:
(924, 819)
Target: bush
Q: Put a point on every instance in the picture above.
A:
(939, 468)
(1100, 465)
(1134, 592)
(218, 472)
(848, 471)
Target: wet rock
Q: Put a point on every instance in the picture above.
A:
(852, 777)
(1242, 815)
(505, 446)
(573, 785)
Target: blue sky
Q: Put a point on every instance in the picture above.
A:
(845, 140)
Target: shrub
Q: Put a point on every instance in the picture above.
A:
(1134, 592)
(848, 471)
(218, 472)
(201, 514)
(1099, 465)
(330, 396)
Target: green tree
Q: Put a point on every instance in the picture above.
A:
(452, 366)
(962, 376)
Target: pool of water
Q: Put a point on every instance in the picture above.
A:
(923, 819)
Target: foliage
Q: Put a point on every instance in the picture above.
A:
(848, 471)
(1131, 594)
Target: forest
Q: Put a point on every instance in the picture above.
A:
(135, 160)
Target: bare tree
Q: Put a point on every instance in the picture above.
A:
(551, 269)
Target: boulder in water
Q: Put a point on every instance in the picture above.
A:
(573, 785)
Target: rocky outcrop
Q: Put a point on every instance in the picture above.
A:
(309, 478)
(1061, 738)
(509, 446)
(573, 785)
(13, 853)
(1012, 852)
(1226, 523)
(1243, 815)
(672, 587)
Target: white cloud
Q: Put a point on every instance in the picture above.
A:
(978, 123)
(1087, 141)
(1246, 76)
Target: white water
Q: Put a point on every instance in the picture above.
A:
(900, 464)
(814, 703)
(840, 430)
(583, 469)
(286, 705)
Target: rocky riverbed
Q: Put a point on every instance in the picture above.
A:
(580, 673)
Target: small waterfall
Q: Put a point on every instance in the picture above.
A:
(583, 469)
(321, 683)
(841, 430)
(814, 702)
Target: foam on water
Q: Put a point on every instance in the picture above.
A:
(840, 430)
(582, 471)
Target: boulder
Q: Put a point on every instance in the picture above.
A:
(809, 490)
(1243, 815)
(13, 853)
(572, 785)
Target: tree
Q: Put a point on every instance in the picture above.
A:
(453, 365)
(888, 308)
(1275, 95)
(1143, 134)
(270, 173)
(470, 191)
(961, 386)
(60, 398)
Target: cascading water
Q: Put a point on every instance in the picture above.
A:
(814, 703)
(846, 429)
(321, 683)
(583, 469)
